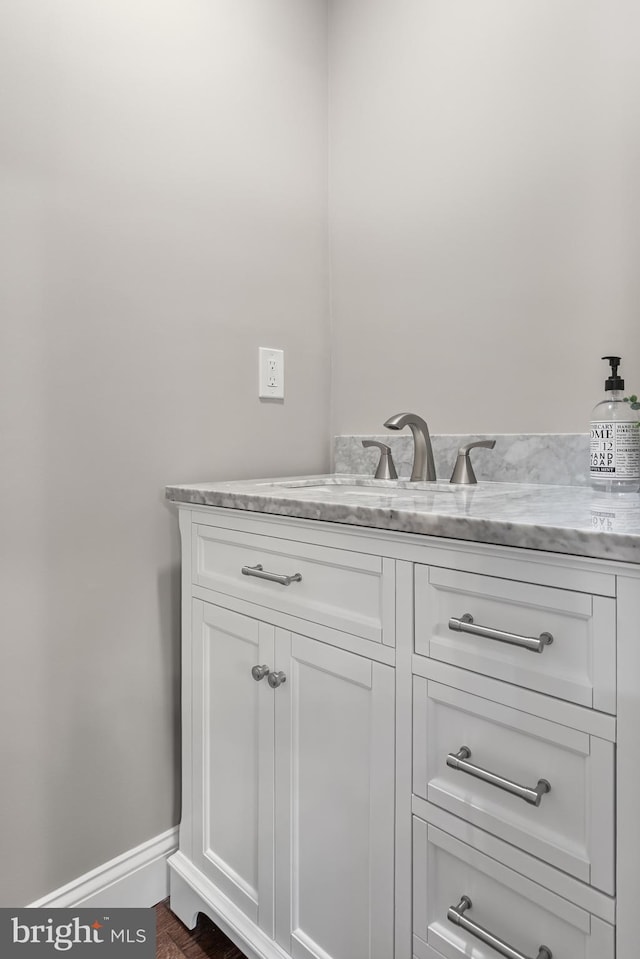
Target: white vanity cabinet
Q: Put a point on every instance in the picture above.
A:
(287, 834)
(399, 746)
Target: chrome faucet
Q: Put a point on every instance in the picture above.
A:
(423, 466)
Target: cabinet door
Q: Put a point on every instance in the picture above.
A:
(335, 782)
(233, 758)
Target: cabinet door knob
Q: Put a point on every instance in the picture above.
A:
(259, 672)
(276, 679)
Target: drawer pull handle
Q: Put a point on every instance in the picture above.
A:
(465, 624)
(259, 672)
(456, 915)
(272, 577)
(533, 796)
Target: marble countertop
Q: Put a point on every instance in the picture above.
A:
(560, 519)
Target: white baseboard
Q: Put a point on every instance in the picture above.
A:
(139, 877)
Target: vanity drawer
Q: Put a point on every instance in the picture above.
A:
(335, 587)
(492, 783)
(510, 906)
(579, 665)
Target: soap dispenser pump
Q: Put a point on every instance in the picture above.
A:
(615, 439)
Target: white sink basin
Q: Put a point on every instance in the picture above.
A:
(368, 487)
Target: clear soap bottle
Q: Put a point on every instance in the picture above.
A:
(615, 439)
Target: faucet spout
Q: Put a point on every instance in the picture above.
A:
(424, 469)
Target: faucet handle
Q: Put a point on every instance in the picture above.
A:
(463, 470)
(386, 468)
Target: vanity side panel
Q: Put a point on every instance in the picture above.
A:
(628, 766)
(186, 820)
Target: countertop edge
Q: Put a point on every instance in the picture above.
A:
(566, 540)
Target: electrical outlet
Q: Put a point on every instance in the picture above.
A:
(270, 373)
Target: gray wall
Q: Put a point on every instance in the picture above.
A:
(483, 206)
(163, 214)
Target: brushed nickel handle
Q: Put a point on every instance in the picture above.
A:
(259, 672)
(465, 624)
(531, 795)
(272, 577)
(386, 467)
(456, 915)
(463, 470)
(276, 679)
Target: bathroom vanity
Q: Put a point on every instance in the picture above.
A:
(411, 719)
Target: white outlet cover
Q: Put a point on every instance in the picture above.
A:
(270, 373)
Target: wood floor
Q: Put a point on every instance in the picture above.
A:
(175, 941)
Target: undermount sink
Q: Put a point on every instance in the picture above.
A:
(366, 487)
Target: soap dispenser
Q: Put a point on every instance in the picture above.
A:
(615, 439)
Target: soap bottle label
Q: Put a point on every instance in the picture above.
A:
(615, 450)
